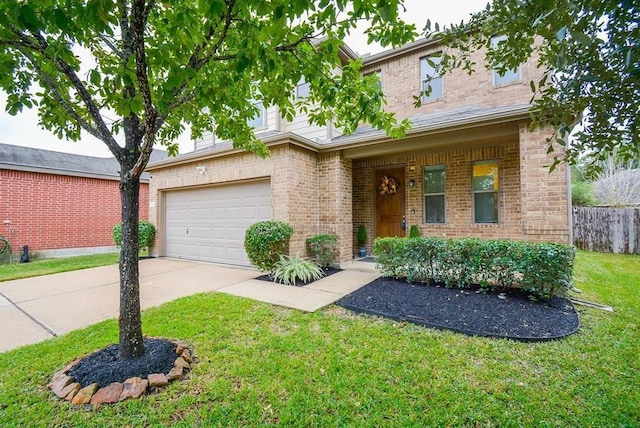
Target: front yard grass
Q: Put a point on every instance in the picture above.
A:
(262, 365)
(49, 266)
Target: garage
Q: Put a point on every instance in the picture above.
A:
(208, 223)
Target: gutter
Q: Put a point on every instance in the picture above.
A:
(65, 172)
(270, 141)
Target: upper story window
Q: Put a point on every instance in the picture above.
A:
(302, 89)
(377, 75)
(434, 194)
(485, 191)
(509, 76)
(430, 76)
(259, 120)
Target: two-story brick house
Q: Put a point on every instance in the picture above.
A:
(470, 166)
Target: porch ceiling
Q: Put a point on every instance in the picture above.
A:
(437, 140)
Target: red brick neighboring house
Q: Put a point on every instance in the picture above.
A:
(470, 166)
(59, 203)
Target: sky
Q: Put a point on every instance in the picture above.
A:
(23, 129)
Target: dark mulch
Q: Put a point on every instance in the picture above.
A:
(468, 311)
(104, 367)
(328, 271)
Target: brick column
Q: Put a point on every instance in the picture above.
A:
(336, 204)
(544, 195)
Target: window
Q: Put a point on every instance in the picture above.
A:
(510, 75)
(434, 189)
(485, 192)
(302, 89)
(377, 75)
(258, 120)
(430, 75)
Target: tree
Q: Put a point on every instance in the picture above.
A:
(617, 183)
(134, 73)
(590, 53)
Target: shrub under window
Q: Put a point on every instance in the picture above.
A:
(540, 269)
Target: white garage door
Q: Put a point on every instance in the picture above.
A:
(209, 223)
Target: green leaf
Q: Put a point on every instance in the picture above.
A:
(581, 38)
(94, 77)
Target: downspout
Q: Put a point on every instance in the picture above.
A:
(318, 193)
(569, 205)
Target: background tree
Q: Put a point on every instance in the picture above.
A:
(590, 53)
(134, 73)
(617, 183)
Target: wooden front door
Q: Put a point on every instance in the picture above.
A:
(390, 190)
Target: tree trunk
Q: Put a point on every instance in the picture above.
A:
(131, 344)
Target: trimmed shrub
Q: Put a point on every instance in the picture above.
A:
(414, 232)
(323, 249)
(362, 236)
(146, 234)
(266, 241)
(289, 269)
(542, 270)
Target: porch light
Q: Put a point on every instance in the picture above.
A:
(412, 183)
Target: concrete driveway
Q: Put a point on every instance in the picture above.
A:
(35, 309)
(38, 308)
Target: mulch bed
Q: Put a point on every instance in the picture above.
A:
(472, 312)
(328, 271)
(104, 367)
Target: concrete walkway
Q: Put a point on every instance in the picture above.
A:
(35, 309)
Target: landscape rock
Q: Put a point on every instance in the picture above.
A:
(108, 394)
(186, 356)
(180, 362)
(73, 392)
(84, 395)
(60, 384)
(157, 380)
(133, 388)
(175, 373)
(69, 391)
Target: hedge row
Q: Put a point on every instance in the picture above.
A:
(541, 269)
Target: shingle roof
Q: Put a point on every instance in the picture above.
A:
(469, 113)
(28, 158)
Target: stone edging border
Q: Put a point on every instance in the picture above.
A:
(65, 387)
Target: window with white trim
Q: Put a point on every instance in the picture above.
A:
(509, 76)
(430, 76)
(259, 119)
(434, 194)
(302, 89)
(485, 184)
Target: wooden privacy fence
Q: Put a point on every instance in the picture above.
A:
(607, 230)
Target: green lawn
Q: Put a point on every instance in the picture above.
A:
(49, 266)
(261, 365)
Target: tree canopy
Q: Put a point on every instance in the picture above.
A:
(134, 73)
(105, 65)
(590, 53)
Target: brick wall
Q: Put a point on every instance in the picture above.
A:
(545, 205)
(400, 77)
(51, 212)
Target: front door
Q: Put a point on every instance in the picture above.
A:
(390, 189)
